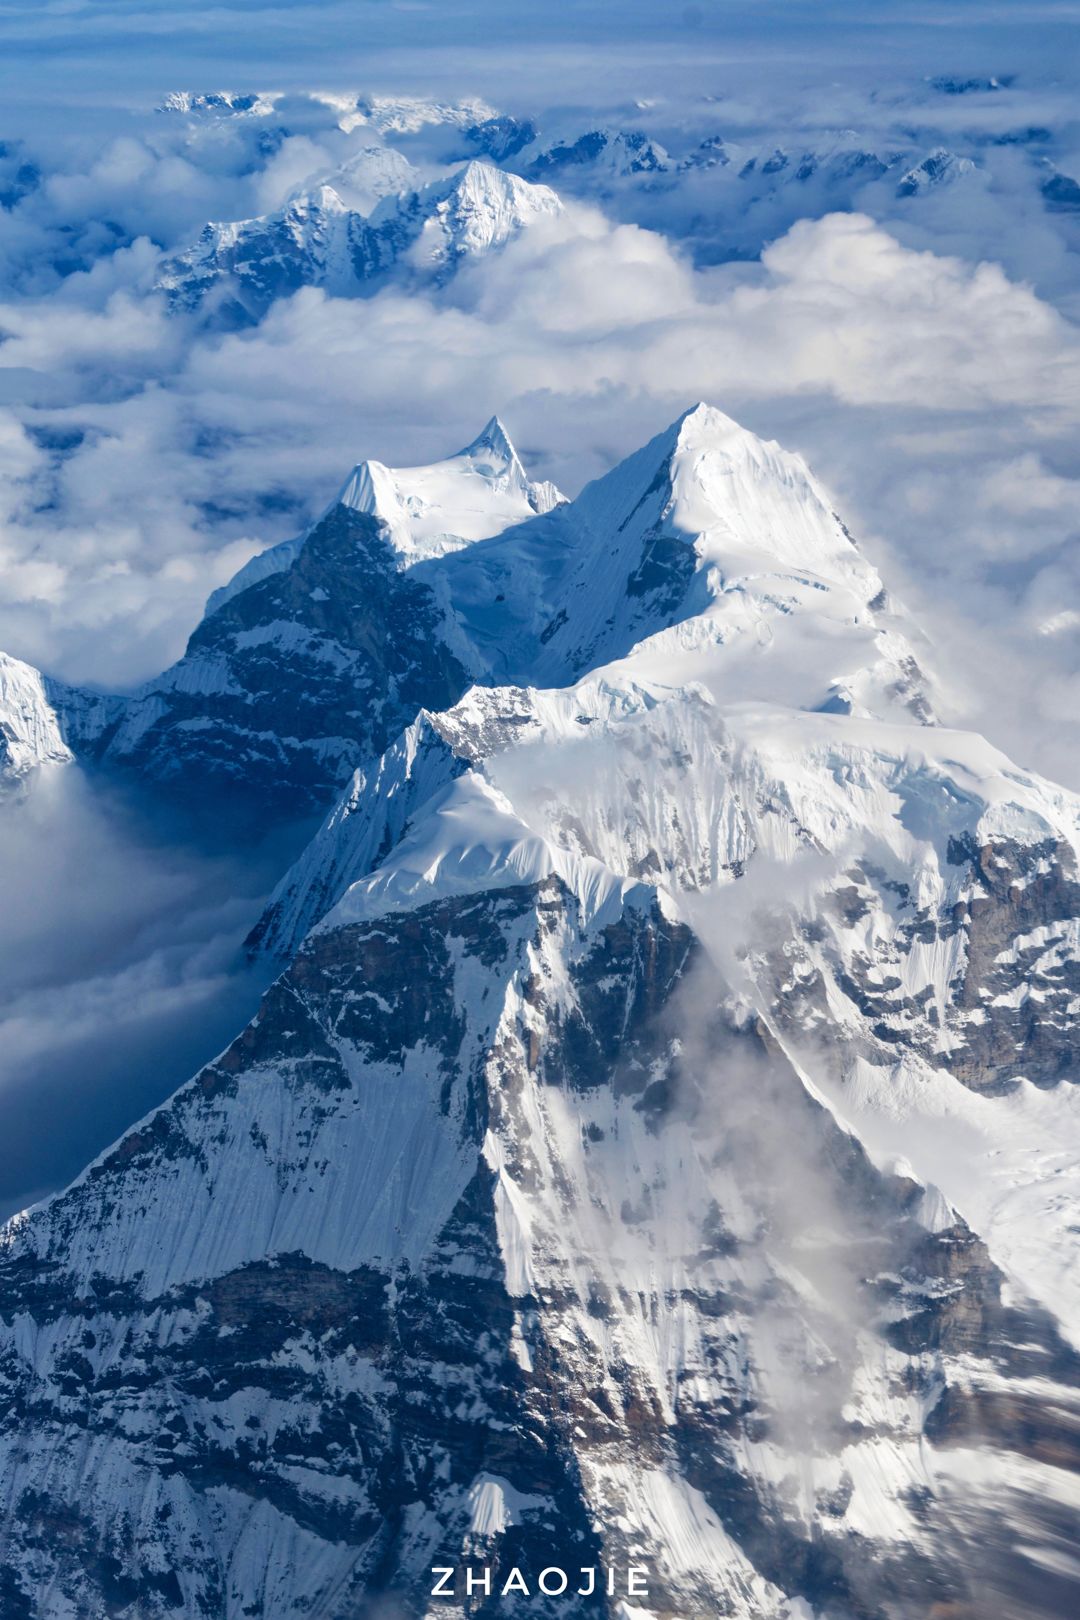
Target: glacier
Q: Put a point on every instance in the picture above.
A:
(659, 1143)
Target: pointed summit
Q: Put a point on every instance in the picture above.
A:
(445, 505)
(707, 526)
(365, 223)
(478, 208)
(703, 421)
(494, 439)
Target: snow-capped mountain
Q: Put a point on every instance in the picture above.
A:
(321, 239)
(30, 734)
(429, 511)
(404, 115)
(319, 650)
(384, 115)
(234, 103)
(417, 584)
(612, 151)
(939, 168)
(643, 1158)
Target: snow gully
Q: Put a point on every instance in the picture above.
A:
(483, 1581)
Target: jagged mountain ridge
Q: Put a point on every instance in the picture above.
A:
(30, 734)
(739, 193)
(238, 269)
(609, 151)
(559, 1196)
(381, 599)
(319, 649)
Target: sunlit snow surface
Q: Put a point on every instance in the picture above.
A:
(700, 742)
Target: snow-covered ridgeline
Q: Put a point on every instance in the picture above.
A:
(579, 1182)
(30, 734)
(421, 581)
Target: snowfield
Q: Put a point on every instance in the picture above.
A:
(661, 1142)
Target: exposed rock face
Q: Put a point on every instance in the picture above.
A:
(316, 654)
(301, 673)
(643, 1159)
(981, 977)
(30, 733)
(302, 1403)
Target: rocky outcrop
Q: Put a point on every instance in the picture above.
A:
(482, 1175)
(576, 1196)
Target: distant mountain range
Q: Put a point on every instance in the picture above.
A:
(384, 216)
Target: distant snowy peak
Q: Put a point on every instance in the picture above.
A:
(434, 509)
(321, 239)
(478, 208)
(239, 267)
(837, 161)
(951, 84)
(939, 168)
(840, 166)
(403, 115)
(222, 103)
(29, 729)
(389, 115)
(501, 137)
(614, 151)
(372, 173)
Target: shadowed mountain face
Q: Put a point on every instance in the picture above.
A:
(419, 582)
(288, 682)
(313, 659)
(642, 1158)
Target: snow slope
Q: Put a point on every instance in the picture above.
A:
(29, 730)
(350, 232)
(644, 1152)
